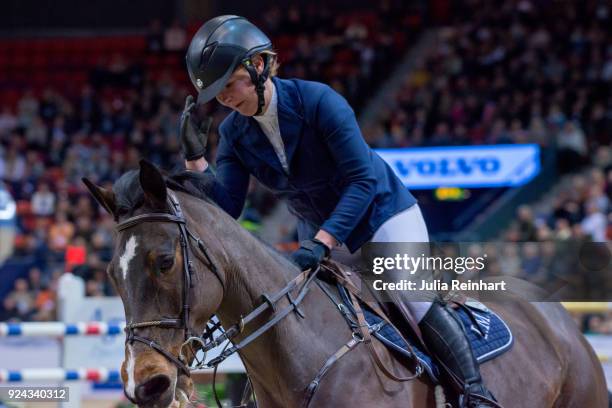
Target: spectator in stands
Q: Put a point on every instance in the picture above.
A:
(45, 305)
(43, 201)
(175, 37)
(27, 108)
(8, 121)
(14, 165)
(93, 289)
(23, 299)
(563, 229)
(155, 37)
(9, 312)
(594, 324)
(531, 263)
(526, 225)
(572, 147)
(597, 196)
(595, 223)
(35, 280)
(509, 261)
(60, 232)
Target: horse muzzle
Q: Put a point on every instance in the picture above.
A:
(156, 391)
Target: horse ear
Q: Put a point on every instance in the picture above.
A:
(153, 184)
(104, 197)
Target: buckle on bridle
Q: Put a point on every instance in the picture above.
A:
(358, 337)
(201, 346)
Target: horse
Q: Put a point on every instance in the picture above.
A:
(179, 259)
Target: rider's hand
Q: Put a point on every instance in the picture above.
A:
(193, 134)
(310, 254)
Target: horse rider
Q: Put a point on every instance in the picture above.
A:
(301, 139)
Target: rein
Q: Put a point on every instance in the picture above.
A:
(361, 331)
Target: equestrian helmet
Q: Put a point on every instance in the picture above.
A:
(218, 48)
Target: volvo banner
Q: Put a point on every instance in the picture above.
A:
(464, 166)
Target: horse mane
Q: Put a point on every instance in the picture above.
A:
(129, 194)
(195, 184)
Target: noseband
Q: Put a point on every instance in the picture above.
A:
(182, 321)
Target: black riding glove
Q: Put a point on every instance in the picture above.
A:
(194, 134)
(310, 254)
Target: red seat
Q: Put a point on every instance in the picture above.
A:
(24, 208)
(55, 174)
(39, 61)
(21, 241)
(29, 223)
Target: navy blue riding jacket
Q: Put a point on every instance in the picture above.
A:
(335, 181)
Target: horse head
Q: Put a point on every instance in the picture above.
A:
(152, 270)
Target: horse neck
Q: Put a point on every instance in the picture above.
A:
(286, 357)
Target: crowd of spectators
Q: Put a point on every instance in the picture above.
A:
(510, 72)
(51, 138)
(582, 210)
(353, 52)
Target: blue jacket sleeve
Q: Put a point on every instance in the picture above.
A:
(231, 180)
(335, 120)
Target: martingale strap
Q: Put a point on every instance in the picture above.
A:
(363, 326)
(314, 384)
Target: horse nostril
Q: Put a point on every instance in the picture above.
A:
(152, 388)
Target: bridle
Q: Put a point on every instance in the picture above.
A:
(182, 321)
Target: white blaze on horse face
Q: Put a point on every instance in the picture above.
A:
(131, 364)
(128, 255)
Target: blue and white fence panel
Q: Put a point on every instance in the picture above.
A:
(59, 329)
(59, 375)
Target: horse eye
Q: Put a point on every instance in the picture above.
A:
(164, 263)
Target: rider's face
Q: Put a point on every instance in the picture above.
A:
(239, 93)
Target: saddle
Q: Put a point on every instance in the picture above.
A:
(398, 330)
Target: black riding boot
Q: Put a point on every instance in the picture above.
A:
(445, 335)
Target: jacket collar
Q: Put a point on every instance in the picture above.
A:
(290, 121)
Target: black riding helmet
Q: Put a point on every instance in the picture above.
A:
(218, 48)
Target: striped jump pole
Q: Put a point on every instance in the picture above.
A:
(60, 329)
(588, 307)
(59, 374)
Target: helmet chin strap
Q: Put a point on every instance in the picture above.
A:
(258, 80)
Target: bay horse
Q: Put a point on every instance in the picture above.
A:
(179, 259)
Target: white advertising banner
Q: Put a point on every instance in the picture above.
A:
(464, 166)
